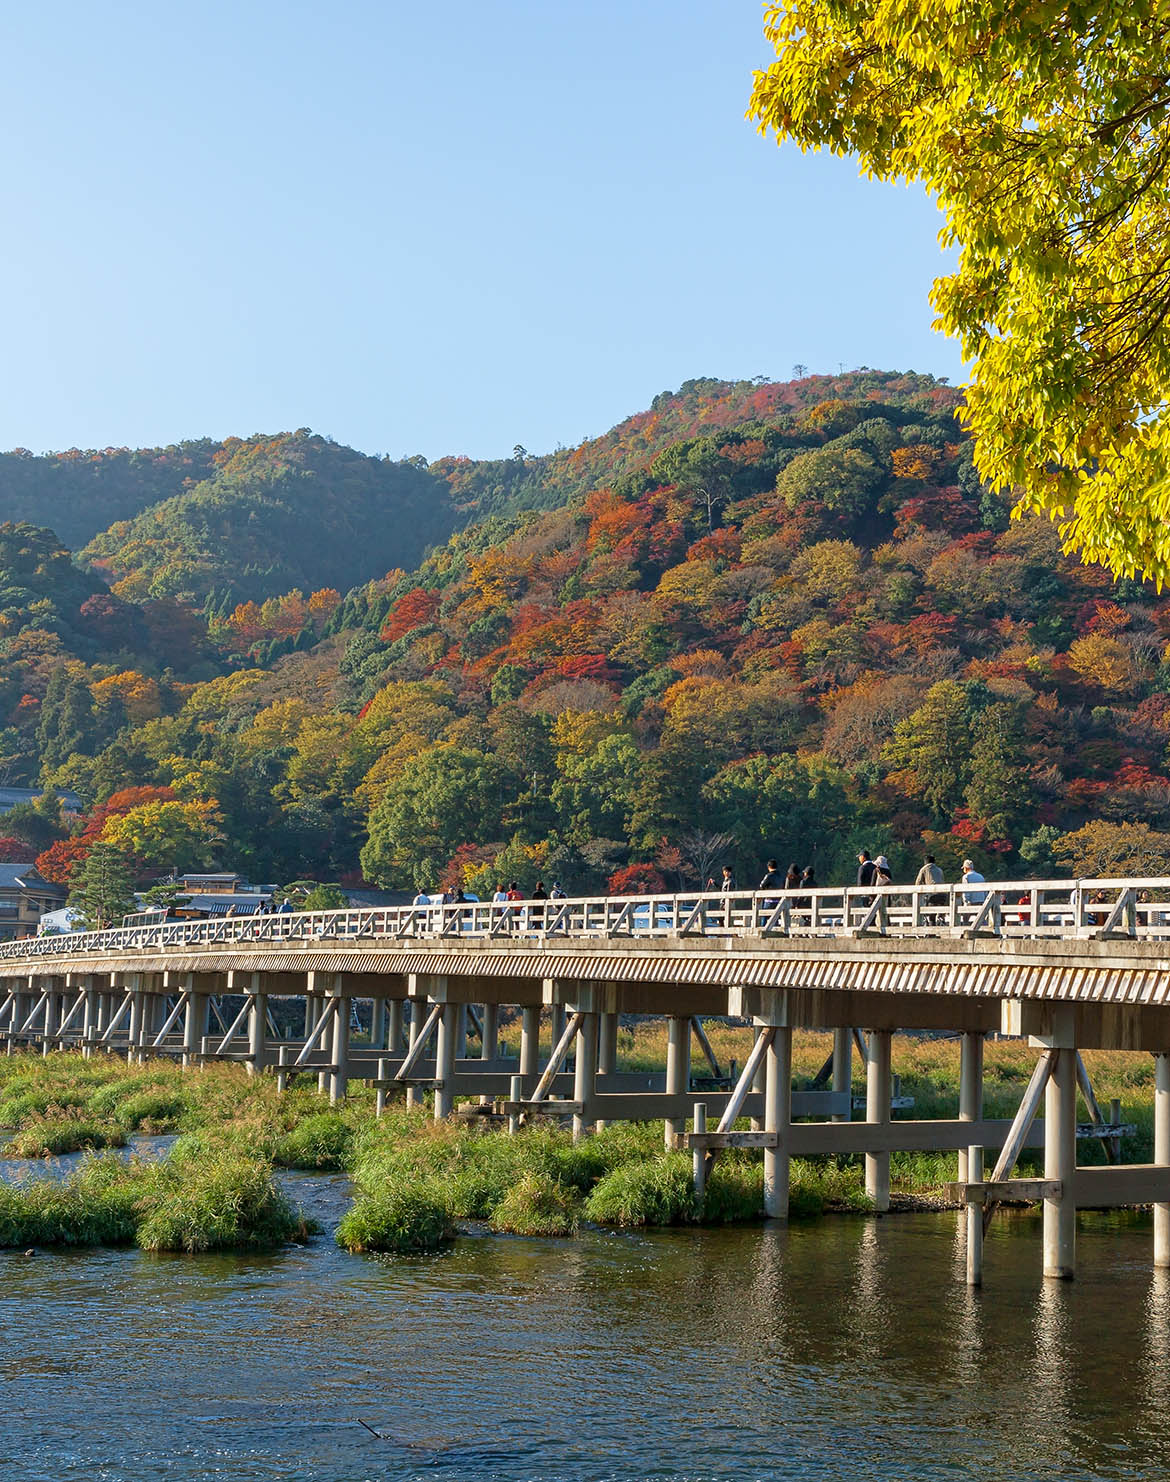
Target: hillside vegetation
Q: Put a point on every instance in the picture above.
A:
(755, 620)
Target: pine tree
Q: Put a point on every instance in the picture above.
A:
(101, 887)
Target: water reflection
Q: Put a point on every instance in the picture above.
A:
(836, 1349)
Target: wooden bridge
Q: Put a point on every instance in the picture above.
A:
(1067, 964)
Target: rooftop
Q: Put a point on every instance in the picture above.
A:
(18, 876)
(11, 796)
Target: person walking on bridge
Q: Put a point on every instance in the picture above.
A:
(773, 880)
(865, 868)
(931, 874)
(971, 876)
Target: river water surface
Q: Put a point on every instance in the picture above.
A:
(839, 1348)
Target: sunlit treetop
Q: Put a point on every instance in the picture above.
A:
(1042, 130)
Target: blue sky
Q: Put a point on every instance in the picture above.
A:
(420, 228)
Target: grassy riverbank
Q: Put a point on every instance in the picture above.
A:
(414, 1180)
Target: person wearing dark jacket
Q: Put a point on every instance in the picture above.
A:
(865, 868)
(773, 880)
(792, 879)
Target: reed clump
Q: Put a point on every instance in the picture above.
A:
(402, 1218)
(191, 1202)
(538, 1205)
(52, 1137)
(321, 1140)
(651, 1191)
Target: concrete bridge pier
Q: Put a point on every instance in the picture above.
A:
(877, 1113)
(843, 1070)
(395, 1024)
(257, 1024)
(678, 1071)
(490, 1043)
(414, 1028)
(338, 1076)
(89, 1017)
(529, 1043)
(1162, 1154)
(378, 1024)
(970, 1087)
(461, 1032)
(1060, 1162)
(194, 1024)
(778, 1121)
(759, 1086)
(585, 1075)
(607, 1032)
(52, 1010)
(448, 1030)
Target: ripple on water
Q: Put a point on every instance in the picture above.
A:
(842, 1348)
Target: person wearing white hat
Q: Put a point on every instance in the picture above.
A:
(881, 871)
(971, 876)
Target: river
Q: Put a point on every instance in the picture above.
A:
(839, 1348)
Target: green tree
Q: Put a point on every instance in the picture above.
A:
(933, 746)
(67, 722)
(445, 796)
(839, 477)
(1000, 791)
(795, 808)
(1044, 136)
(101, 887)
(324, 898)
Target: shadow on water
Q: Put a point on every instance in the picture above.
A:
(835, 1349)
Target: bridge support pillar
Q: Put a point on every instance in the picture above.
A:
(678, 1071)
(557, 1013)
(134, 1038)
(378, 1024)
(490, 1047)
(194, 1026)
(970, 1087)
(414, 1096)
(52, 1003)
(843, 1070)
(529, 1042)
(759, 1084)
(339, 1075)
(607, 1028)
(585, 1075)
(1162, 1154)
(778, 1119)
(607, 1031)
(461, 1032)
(877, 1112)
(394, 1024)
(445, 1061)
(89, 1019)
(257, 1017)
(1060, 1160)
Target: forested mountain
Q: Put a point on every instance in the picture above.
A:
(280, 512)
(765, 619)
(79, 492)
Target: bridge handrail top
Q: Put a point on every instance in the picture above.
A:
(759, 909)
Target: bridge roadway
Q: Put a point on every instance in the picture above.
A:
(1068, 964)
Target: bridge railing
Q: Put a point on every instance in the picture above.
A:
(1134, 908)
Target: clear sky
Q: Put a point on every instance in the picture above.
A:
(418, 227)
